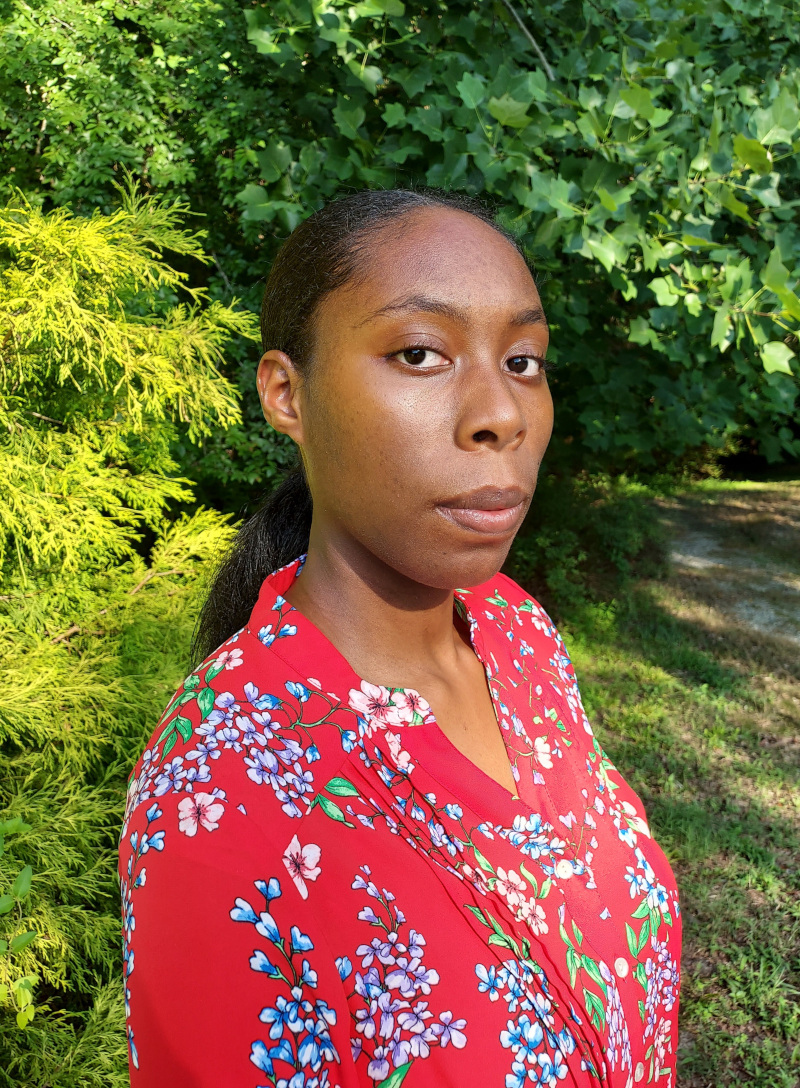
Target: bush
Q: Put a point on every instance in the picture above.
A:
(100, 363)
(645, 152)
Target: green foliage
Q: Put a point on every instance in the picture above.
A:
(653, 178)
(16, 990)
(585, 536)
(99, 364)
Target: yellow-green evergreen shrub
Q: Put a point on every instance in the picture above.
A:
(99, 361)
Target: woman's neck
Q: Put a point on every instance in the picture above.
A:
(392, 630)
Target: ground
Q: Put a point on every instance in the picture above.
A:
(692, 680)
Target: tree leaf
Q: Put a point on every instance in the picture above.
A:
(509, 112)
(752, 153)
(6, 903)
(639, 99)
(22, 940)
(775, 357)
(348, 118)
(471, 90)
(22, 885)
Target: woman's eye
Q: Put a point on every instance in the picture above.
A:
(525, 364)
(419, 357)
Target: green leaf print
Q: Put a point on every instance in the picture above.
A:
(340, 787)
(504, 941)
(481, 860)
(205, 701)
(191, 682)
(397, 1076)
(213, 670)
(643, 935)
(330, 808)
(633, 944)
(593, 971)
(478, 914)
(594, 1006)
(171, 741)
(183, 726)
(497, 599)
(529, 877)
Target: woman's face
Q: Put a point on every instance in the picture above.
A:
(428, 412)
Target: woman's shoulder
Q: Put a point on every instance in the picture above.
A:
(245, 719)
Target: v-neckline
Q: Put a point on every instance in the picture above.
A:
(427, 742)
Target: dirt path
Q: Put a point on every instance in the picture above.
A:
(738, 547)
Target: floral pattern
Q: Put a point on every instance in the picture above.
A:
(551, 921)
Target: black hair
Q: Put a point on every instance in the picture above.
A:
(323, 253)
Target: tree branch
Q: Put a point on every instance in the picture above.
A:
(513, 12)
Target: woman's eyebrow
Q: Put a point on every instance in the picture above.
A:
(534, 315)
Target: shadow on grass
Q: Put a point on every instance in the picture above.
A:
(702, 718)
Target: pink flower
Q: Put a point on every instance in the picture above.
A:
(229, 659)
(409, 703)
(201, 809)
(373, 702)
(511, 886)
(301, 861)
(533, 913)
(401, 758)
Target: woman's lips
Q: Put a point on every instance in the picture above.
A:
(490, 522)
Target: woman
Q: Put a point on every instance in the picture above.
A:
(373, 839)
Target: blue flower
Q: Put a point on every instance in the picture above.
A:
(268, 927)
(263, 1058)
(259, 962)
(516, 1078)
(153, 812)
(269, 891)
(552, 1068)
(301, 942)
(297, 1081)
(491, 981)
(243, 912)
(454, 811)
(308, 976)
(266, 636)
(312, 753)
(315, 1045)
(152, 842)
(349, 739)
(287, 630)
(523, 1037)
(288, 1013)
(299, 691)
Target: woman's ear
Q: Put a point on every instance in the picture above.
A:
(279, 382)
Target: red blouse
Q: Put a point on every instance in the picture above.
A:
(320, 890)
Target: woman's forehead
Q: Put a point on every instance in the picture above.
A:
(439, 260)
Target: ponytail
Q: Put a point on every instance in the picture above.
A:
(324, 252)
(276, 534)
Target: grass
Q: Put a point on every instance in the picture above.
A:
(701, 712)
